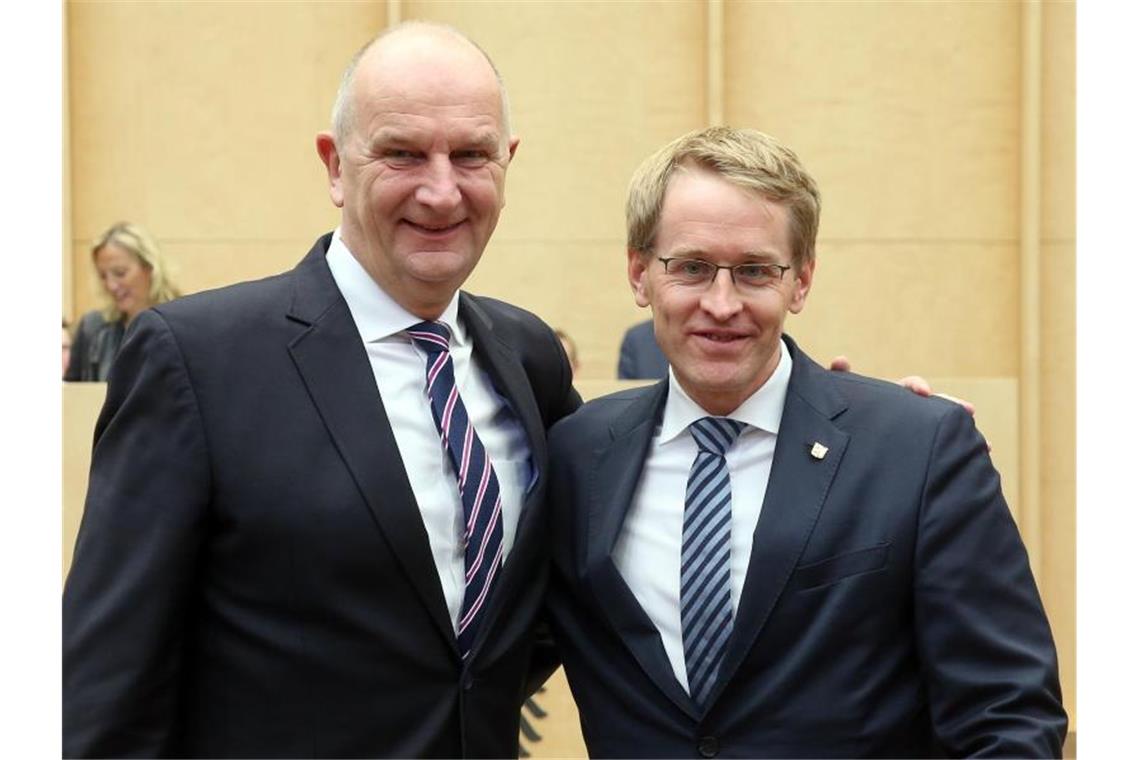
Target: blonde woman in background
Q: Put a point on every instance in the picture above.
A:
(134, 277)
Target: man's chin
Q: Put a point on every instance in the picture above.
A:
(440, 266)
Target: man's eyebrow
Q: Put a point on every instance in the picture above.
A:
(392, 135)
(487, 139)
(693, 252)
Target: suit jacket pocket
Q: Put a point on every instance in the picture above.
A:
(841, 566)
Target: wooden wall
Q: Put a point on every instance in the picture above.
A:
(942, 135)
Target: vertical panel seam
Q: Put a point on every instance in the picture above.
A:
(1029, 510)
(68, 252)
(714, 63)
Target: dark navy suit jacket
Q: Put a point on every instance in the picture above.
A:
(641, 357)
(252, 577)
(888, 608)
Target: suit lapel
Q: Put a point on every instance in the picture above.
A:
(502, 363)
(334, 367)
(616, 471)
(797, 488)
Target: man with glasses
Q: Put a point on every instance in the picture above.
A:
(759, 558)
(315, 524)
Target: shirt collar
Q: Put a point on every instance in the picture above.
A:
(376, 314)
(763, 409)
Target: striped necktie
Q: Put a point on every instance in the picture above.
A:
(478, 486)
(706, 608)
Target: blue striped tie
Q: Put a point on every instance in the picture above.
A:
(706, 608)
(478, 486)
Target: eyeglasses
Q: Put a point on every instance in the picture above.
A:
(700, 272)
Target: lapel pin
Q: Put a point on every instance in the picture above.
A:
(818, 450)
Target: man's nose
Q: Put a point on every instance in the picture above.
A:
(721, 299)
(438, 188)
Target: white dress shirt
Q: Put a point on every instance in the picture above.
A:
(648, 550)
(399, 369)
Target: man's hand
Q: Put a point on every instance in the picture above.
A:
(913, 383)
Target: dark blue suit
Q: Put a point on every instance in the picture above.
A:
(641, 357)
(888, 609)
(252, 577)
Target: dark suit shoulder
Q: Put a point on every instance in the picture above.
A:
(91, 321)
(595, 418)
(230, 305)
(886, 401)
(535, 345)
(512, 319)
(639, 332)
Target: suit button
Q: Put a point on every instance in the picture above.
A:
(468, 682)
(708, 746)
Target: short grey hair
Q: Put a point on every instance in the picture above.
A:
(343, 107)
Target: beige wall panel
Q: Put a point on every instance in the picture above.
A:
(560, 730)
(580, 287)
(910, 308)
(81, 405)
(595, 87)
(906, 113)
(1058, 128)
(212, 263)
(85, 288)
(197, 119)
(1058, 458)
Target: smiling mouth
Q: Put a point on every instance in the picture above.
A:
(433, 229)
(719, 337)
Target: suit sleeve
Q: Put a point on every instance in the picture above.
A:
(552, 379)
(627, 369)
(985, 644)
(126, 597)
(78, 349)
(558, 398)
(81, 338)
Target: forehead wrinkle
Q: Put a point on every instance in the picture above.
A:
(410, 135)
(396, 116)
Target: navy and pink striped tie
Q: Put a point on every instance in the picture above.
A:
(478, 486)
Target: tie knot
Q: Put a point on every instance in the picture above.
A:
(432, 337)
(715, 434)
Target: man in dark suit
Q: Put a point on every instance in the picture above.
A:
(759, 558)
(277, 556)
(640, 357)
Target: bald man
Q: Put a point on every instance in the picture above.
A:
(278, 557)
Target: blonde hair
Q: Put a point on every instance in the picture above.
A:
(135, 240)
(746, 158)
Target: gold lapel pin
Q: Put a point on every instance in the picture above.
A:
(818, 450)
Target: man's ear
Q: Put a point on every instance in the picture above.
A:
(326, 149)
(638, 267)
(802, 285)
(512, 146)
